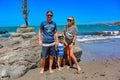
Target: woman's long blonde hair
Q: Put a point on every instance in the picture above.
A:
(74, 24)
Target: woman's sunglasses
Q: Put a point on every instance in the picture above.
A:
(69, 20)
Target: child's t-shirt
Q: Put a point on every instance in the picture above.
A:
(60, 51)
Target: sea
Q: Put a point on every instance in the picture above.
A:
(98, 42)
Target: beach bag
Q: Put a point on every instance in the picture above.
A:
(67, 34)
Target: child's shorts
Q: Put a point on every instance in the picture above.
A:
(60, 54)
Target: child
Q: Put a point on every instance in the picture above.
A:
(60, 51)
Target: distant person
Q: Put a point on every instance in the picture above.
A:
(60, 51)
(47, 33)
(70, 32)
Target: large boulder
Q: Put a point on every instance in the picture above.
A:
(17, 56)
(20, 53)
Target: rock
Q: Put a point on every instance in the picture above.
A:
(28, 35)
(23, 26)
(21, 52)
(17, 71)
(12, 72)
(1, 46)
(78, 53)
(16, 35)
(4, 75)
(23, 35)
(25, 30)
(117, 23)
(3, 32)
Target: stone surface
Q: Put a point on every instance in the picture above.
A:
(23, 26)
(20, 53)
(3, 32)
(24, 35)
(1, 46)
(25, 30)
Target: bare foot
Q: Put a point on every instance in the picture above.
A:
(59, 69)
(68, 67)
(78, 68)
(51, 71)
(42, 71)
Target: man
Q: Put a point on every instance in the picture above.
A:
(47, 33)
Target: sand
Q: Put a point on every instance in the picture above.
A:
(93, 70)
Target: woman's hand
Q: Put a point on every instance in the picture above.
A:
(66, 44)
(71, 44)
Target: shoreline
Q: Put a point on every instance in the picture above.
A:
(95, 70)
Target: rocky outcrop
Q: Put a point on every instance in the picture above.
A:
(3, 32)
(20, 53)
(1, 46)
(25, 30)
(117, 23)
(24, 33)
(77, 51)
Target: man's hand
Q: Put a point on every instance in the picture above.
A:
(56, 45)
(40, 43)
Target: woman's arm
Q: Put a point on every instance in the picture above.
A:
(74, 38)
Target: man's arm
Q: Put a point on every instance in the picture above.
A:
(56, 36)
(40, 37)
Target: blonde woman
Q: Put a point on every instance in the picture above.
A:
(70, 37)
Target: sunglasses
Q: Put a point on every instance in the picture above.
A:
(50, 15)
(69, 20)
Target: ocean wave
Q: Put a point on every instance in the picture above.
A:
(95, 38)
(103, 33)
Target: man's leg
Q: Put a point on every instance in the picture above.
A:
(51, 57)
(42, 65)
(50, 64)
(43, 58)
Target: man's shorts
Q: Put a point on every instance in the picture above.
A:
(48, 51)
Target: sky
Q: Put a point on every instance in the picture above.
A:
(84, 11)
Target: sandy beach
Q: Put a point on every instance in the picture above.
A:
(94, 70)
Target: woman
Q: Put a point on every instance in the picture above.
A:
(70, 37)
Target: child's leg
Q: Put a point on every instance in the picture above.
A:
(61, 60)
(58, 62)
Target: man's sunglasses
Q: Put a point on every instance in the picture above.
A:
(50, 15)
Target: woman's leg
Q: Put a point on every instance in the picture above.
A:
(73, 57)
(68, 56)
